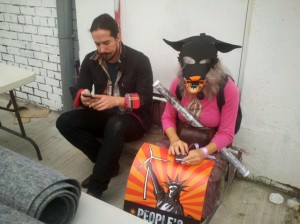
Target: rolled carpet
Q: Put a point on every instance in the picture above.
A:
(36, 190)
(9, 216)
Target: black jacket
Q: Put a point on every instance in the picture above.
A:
(136, 78)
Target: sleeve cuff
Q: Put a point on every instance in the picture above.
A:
(132, 101)
(77, 100)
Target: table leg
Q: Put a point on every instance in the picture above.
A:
(23, 133)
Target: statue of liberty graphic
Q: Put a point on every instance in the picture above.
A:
(166, 201)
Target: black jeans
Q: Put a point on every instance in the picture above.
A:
(83, 127)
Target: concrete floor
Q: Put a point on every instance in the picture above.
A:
(244, 203)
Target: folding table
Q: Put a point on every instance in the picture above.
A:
(11, 78)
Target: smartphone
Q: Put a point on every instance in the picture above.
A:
(179, 158)
(87, 95)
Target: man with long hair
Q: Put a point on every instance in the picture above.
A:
(118, 111)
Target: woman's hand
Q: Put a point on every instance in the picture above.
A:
(178, 147)
(194, 157)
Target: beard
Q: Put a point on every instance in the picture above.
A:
(110, 55)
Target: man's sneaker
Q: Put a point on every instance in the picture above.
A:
(85, 182)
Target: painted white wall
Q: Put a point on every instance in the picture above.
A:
(271, 123)
(86, 12)
(145, 23)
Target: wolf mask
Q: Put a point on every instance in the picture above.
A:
(197, 55)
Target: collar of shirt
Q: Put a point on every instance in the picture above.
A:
(110, 89)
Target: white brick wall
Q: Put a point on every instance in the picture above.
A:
(21, 60)
(24, 36)
(26, 89)
(18, 2)
(21, 95)
(13, 50)
(29, 39)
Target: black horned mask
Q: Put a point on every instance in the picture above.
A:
(197, 55)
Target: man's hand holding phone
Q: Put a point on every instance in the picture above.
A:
(100, 102)
(86, 97)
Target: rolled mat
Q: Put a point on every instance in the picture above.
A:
(9, 216)
(36, 190)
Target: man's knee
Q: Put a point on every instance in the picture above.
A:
(62, 122)
(115, 125)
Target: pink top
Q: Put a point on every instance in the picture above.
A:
(210, 115)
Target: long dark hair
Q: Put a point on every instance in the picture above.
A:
(105, 22)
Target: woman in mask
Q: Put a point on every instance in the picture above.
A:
(206, 91)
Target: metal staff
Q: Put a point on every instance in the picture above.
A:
(195, 122)
(176, 104)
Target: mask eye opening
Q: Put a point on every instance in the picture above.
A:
(187, 60)
(205, 61)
